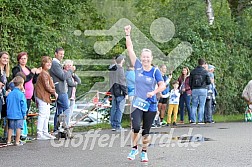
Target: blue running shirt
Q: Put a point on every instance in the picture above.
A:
(146, 81)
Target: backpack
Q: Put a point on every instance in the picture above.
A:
(198, 80)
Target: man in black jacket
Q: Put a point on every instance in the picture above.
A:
(199, 79)
(118, 89)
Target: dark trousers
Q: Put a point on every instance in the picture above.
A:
(138, 116)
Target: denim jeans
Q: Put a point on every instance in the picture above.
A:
(116, 112)
(208, 111)
(198, 98)
(62, 106)
(185, 99)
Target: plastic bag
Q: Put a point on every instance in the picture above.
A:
(248, 115)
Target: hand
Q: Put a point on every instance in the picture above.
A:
(25, 117)
(150, 94)
(34, 70)
(127, 29)
(126, 97)
(73, 68)
(7, 92)
(38, 70)
(170, 76)
(183, 90)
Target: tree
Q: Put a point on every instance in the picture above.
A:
(210, 12)
(238, 6)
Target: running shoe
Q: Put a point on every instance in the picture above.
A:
(132, 154)
(144, 157)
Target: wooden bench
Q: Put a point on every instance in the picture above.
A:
(32, 117)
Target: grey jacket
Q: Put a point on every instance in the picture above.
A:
(71, 84)
(59, 77)
(117, 81)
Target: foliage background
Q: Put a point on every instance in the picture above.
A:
(39, 26)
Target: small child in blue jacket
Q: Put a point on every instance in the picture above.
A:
(16, 109)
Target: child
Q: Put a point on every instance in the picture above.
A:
(16, 110)
(11, 87)
(174, 96)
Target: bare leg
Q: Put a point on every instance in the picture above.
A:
(163, 108)
(146, 140)
(135, 138)
(18, 132)
(6, 128)
(9, 135)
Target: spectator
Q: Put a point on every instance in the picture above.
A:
(16, 110)
(59, 78)
(185, 94)
(72, 86)
(247, 94)
(199, 79)
(145, 101)
(211, 69)
(162, 103)
(118, 89)
(44, 89)
(11, 87)
(5, 72)
(31, 77)
(174, 96)
(209, 99)
(130, 81)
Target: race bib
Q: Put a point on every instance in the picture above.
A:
(141, 104)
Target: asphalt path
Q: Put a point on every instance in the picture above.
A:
(219, 144)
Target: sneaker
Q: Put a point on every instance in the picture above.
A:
(49, 136)
(26, 139)
(121, 130)
(20, 143)
(167, 124)
(153, 126)
(42, 137)
(174, 124)
(9, 144)
(201, 123)
(144, 157)
(132, 154)
(3, 139)
(163, 123)
(193, 123)
(113, 129)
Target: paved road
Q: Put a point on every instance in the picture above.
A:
(220, 144)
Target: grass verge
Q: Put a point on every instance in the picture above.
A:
(126, 122)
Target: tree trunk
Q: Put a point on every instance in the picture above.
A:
(209, 12)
